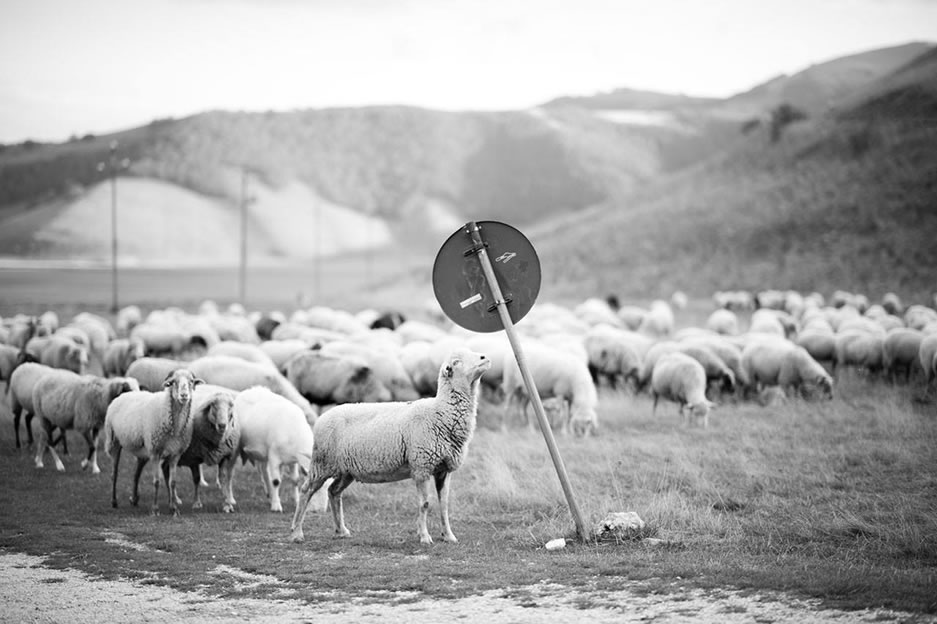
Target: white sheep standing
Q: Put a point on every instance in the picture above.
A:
(679, 378)
(120, 354)
(426, 440)
(784, 364)
(900, 350)
(659, 320)
(153, 426)
(68, 400)
(274, 436)
(23, 381)
(215, 440)
(555, 374)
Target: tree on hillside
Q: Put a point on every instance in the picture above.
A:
(782, 116)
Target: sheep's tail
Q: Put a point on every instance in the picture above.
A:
(108, 438)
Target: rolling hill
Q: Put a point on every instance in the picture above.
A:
(629, 191)
(845, 200)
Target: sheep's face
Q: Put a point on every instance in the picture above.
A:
(584, 421)
(220, 413)
(181, 383)
(700, 411)
(825, 385)
(466, 364)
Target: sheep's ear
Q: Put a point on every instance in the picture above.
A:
(197, 381)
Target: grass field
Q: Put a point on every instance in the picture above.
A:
(833, 500)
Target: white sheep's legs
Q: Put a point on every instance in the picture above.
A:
(310, 486)
(226, 483)
(442, 491)
(271, 477)
(335, 500)
(91, 437)
(201, 476)
(423, 488)
(45, 433)
(169, 474)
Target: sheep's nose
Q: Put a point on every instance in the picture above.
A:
(483, 357)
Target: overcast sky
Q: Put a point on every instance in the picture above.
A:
(78, 66)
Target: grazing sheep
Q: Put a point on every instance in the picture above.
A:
(384, 362)
(900, 351)
(611, 356)
(151, 372)
(215, 440)
(237, 374)
(154, 426)
(555, 374)
(659, 320)
(650, 360)
(247, 352)
(820, 344)
(426, 440)
(282, 351)
(723, 321)
(859, 349)
(68, 400)
(58, 352)
(325, 379)
(718, 372)
(120, 354)
(128, 317)
(927, 357)
(274, 436)
(679, 378)
(784, 364)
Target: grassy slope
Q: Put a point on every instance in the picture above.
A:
(844, 203)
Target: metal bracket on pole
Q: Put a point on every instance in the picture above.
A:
(479, 249)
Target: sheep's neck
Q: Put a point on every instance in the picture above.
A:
(179, 412)
(462, 400)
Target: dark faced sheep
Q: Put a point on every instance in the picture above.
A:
(325, 380)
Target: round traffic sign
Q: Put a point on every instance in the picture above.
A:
(459, 281)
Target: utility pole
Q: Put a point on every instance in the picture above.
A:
(113, 166)
(242, 277)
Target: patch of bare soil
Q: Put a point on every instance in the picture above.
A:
(31, 592)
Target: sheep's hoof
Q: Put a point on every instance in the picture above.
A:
(226, 508)
(39, 464)
(449, 538)
(426, 539)
(343, 533)
(277, 508)
(95, 470)
(114, 503)
(197, 505)
(154, 512)
(60, 467)
(84, 464)
(133, 500)
(297, 537)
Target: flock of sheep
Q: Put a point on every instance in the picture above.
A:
(325, 397)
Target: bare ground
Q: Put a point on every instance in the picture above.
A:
(32, 592)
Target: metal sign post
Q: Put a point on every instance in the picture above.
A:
(457, 288)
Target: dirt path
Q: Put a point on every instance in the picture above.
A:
(30, 592)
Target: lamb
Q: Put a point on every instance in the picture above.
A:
(216, 436)
(555, 374)
(274, 436)
(426, 440)
(236, 374)
(120, 354)
(67, 400)
(679, 378)
(324, 379)
(900, 350)
(153, 426)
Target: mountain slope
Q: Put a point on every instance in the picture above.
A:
(840, 202)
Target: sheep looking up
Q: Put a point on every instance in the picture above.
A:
(425, 440)
(153, 426)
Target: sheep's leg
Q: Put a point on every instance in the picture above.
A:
(91, 437)
(135, 494)
(312, 485)
(654, 408)
(262, 471)
(28, 420)
(442, 491)
(169, 473)
(226, 483)
(197, 481)
(44, 437)
(295, 482)
(159, 467)
(201, 476)
(17, 413)
(335, 500)
(115, 457)
(271, 477)
(423, 489)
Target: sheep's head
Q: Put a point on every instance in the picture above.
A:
(181, 383)
(700, 411)
(825, 385)
(121, 385)
(466, 364)
(583, 420)
(220, 412)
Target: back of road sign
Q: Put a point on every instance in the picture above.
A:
(459, 281)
